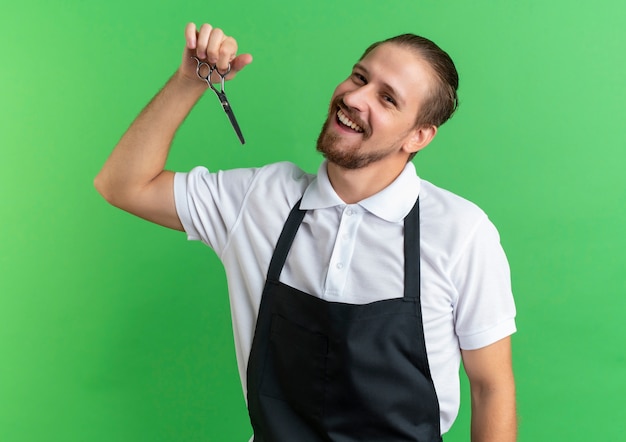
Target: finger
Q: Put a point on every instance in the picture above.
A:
(238, 63)
(215, 43)
(191, 35)
(203, 41)
(227, 53)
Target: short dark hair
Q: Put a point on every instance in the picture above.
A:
(443, 99)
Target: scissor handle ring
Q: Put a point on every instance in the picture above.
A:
(212, 69)
(219, 73)
(199, 66)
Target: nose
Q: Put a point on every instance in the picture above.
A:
(356, 98)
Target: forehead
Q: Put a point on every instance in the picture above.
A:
(400, 67)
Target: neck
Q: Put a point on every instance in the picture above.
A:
(354, 185)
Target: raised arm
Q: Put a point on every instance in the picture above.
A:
(134, 177)
(492, 387)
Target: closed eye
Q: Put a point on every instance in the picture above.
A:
(359, 78)
(389, 99)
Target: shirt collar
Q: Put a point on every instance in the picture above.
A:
(392, 204)
(320, 193)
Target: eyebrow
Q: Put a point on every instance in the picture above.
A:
(385, 85)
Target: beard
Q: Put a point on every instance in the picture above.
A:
(347, 157)
(338, 151)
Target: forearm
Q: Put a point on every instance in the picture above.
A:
(493, 415)
(141, 153)
(492, 385)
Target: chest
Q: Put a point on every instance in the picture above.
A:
(349, 255)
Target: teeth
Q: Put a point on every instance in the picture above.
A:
(348, 122)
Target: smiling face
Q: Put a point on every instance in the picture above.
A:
(373, 112)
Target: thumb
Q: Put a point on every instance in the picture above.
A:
(238, 63)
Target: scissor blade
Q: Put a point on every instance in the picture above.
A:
(231, 116)
(233, 121)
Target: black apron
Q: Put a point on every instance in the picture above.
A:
(329, 371)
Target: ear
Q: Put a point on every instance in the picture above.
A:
(420, 138)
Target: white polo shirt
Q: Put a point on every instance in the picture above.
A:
(354, 253)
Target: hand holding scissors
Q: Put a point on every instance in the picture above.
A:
(215, 56)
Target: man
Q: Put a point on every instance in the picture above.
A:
(354, 292)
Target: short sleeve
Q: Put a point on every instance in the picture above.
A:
(208, 204)
(485, 310)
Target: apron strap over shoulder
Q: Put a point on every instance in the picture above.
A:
(412, 252)
(284, 242)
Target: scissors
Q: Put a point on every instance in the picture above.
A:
(221, 93)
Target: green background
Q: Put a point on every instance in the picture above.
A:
(112, 329)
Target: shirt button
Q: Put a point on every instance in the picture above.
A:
(349, 212)
(340, 266)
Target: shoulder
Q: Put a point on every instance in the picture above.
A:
(286, 172)
(274, 189)
(271, 175)
(447, 209)
(280, 178)
(452, 223)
